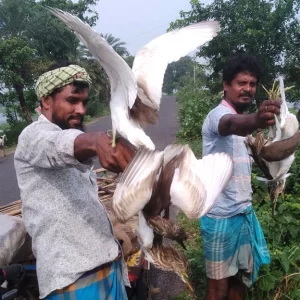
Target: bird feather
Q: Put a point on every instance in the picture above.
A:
(214, 171)
(135, 187)
(121, 77)
(151, 61)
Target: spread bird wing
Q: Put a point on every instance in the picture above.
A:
(214, 171)
(151, 61)
(121, 77)
(135, 187)
(160, 198)
(187, 191)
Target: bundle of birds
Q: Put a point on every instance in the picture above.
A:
(154, 179)
(286, 125)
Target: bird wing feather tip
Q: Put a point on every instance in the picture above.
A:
(215, 171)
(114, 65)
(262, 179)
(134, 190)
(187, 192)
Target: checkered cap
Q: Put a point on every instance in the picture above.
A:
(60, 77)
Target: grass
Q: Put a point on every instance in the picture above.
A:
(194, 254)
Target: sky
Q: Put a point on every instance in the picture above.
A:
(137, 22)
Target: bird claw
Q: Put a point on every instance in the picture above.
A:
(111, 134)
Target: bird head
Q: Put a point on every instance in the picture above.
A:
(276, 188)
(180, 235)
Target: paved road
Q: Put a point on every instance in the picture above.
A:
(162, 134)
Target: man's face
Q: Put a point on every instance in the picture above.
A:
(241, 90)
(68, 107)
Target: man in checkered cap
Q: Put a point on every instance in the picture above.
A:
(77, 254)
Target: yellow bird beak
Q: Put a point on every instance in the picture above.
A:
(185, 278)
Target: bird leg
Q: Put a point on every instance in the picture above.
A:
(112, 133)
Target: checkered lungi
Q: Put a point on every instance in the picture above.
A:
(103, 283)
(234, 245)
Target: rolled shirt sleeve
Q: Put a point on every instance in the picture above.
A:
(45, 145)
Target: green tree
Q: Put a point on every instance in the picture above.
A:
(116, 44)
(176, 71)
(129, 59)
(260, 27)
(17, 70)
(30, 40)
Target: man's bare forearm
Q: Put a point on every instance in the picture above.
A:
(85, 145)
(241, 125)
(282, 149)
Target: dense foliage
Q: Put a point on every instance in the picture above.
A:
(268, 29)
(31, 39)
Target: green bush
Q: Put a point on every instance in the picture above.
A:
(194, 105)
(280, 279)
(13, 131)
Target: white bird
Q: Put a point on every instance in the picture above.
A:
(286, 125)
(136, 93)
(154, 180)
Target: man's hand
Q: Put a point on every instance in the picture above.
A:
(99, 144)
(114, 159)
(265, 116)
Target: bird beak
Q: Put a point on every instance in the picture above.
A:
(181, 243)
(185, 278)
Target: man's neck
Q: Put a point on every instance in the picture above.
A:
(229, 105)
(233, 106)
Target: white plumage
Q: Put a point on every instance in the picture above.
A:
(134, 189)
(285, 127)
(136, 93)
(151, 61)
(190, 184)
(154, 180)
(197, 183)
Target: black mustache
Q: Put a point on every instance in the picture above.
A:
(77, 117)
(246, 94)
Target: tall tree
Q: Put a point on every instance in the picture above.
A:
(175, 72)
(116, 44)
(265, 28)
(31, 39)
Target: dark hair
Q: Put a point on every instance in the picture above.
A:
(241, 63)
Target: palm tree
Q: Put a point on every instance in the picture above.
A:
(116, 44)
(101, 84)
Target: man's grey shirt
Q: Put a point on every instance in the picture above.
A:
(70, 229)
